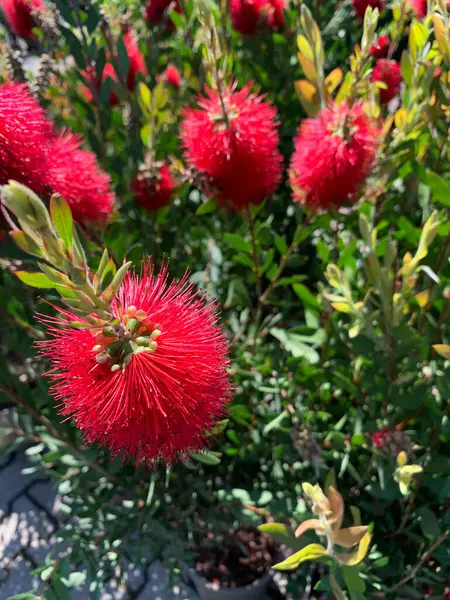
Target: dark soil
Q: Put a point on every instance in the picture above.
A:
(236, 559)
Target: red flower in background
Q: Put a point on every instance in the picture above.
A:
(156, 398)
(153, 191)
(172, 76)
(392, 441)
(275, 16)
(158, 11)
(75, 174)
(248, 15)
(419, 8)
(380, 47)
(388, 72)
(19, 15)
(333, 155)
(25, 134)
(136, 65)
(239, 150)
(360, 6)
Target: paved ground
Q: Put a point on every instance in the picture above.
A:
(28, 505)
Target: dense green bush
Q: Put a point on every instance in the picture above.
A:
(337, 318)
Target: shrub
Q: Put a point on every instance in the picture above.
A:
(296, 163)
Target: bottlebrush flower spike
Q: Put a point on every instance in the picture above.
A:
(75, 174)
(157, 11)
(25, 134)
(154, 384)
(248, 16)
(392, 441)
(380, 47)
(136, 65)
(153, 190)
(388, 72)
(172, 76)
(419, 8)
(360, 6)
(136, 60)
(333, 155)
(225, 146)
(19, 15)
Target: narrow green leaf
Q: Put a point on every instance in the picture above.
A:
(237, 242)
(207, 458)
(207, 207)
(311, 552)
(305, 295)
(62, 219)
(37, 280)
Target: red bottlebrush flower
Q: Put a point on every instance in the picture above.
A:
(25, 134)
(246, 15)
(155, 394)
(388, 72)
(158, 11)
(136, 65)
(75, 174)
(333, 155)
(360, 6)
(153, 191)
(172, 76)
(275, 16)
(136, 60)
(380, 47)
(19, 15)
(224, 147)
(419, 8)
(392, 441)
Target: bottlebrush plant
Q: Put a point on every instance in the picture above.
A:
(224, 250)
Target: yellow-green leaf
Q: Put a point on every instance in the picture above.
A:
(442, 350)
(311, 552)
(341, 307)
(37, 280)
(308, 95)
(333, 80)
(304, 47)
(62, 219)
(354, 558)
(308, 68)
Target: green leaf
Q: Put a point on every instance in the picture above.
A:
(311, 552)
(305, 295)
(237, 242)
(281, 245)
(26, 243)
(428, 522)
(24, 596)
(440, 188)
(207, 458)
(353, 580)
(294, 344)
(37, 280)
(122, 55)
(62, 219)
(275, 423)
(207, 207)
(75, 579)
